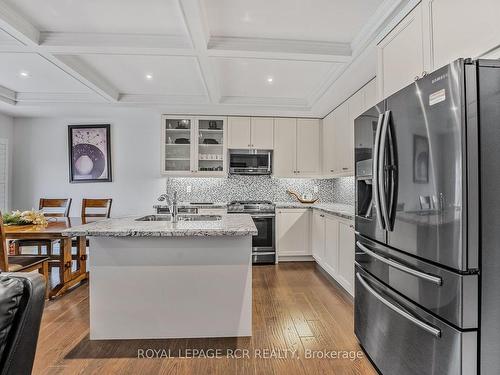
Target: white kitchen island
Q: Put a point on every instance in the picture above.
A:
(158, 279)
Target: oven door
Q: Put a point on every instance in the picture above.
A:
(264, 240)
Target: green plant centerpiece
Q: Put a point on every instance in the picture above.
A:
(32, 217)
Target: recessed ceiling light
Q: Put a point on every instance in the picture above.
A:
(270, 79)
(24, 74)
(149, 77)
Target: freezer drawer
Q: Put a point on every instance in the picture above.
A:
(451, 296)
(401, 338)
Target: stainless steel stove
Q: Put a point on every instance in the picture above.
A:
(264, 217)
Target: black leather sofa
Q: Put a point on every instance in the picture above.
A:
(22, 298)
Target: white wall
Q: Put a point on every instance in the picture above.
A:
(41, 162)
(7, 132)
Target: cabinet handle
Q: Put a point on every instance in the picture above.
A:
(345, 168)
(331, 170)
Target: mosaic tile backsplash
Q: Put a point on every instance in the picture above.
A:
(338, 190)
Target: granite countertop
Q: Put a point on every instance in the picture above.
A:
(229, 225)
(345, 211)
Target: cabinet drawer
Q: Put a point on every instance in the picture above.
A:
(401, 338)
(450, 295)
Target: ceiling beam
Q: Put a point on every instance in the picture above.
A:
(197, 26)
(7, 96)
(107, 43)
(283, 48)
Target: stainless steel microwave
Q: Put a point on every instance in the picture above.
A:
(250, 162)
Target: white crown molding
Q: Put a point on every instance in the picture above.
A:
(82, 43)
(266, 101)
(281, 46)
(48, 97)
(7, 93)
(163, 99)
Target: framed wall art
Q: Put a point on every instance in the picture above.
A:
(89, 153)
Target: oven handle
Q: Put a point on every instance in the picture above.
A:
(426, 327)
(272, 216)
(433, 279)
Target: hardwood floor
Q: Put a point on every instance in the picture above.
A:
(297, 312)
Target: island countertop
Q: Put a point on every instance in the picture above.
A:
(229, 225)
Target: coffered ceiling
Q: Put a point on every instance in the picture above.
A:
(185, 56)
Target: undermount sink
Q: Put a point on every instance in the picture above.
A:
(180, 218)
(199, 217)
(155, 218)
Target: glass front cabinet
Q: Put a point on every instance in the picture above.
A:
(193, 146)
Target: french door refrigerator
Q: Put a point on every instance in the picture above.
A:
(427, 270)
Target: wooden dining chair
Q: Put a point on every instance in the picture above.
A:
(50, 208)
(22, 263)
(96, 208)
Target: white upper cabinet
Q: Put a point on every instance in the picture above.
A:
(262, 133)
(308, 150)
(285, 140)
(296, 147)
(251, 133)
(239, 132)
(330, 161)
(401, 54)
(462, 28)
(193, 146)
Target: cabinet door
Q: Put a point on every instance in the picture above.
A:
(285, 140)
(308, 161)
(462, 28)
(211, 146)
(331, 245)
(346, 256)
(293, 232)
(239, 130)
(178, 145)
(318, 236)
(401, 55)
(371, 95)
(262, 136)
(344, 134)
(330, 161)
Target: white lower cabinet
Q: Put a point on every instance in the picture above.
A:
(328, 238)
(293, 232)
(318, 235)
(332, 243)
(345, 273)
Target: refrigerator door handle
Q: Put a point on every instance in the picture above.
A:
(381, 170)
(375, 184)
(433, 279)
(426, 327)
(393, 175)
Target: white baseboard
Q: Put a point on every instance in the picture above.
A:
(295, 258)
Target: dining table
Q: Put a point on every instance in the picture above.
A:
(53, 231)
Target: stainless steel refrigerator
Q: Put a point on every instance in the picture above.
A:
(427, 272)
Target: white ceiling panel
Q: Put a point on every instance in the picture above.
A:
(170, 75)
(29, 72)
(321, 20)
(271, 78)
(103, 16)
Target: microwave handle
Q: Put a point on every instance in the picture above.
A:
(269, 162)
